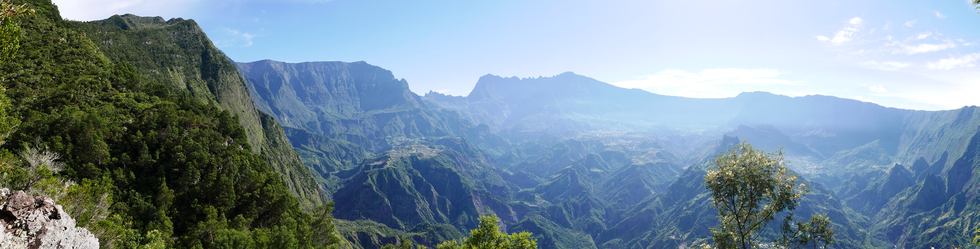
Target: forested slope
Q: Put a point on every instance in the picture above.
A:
(145, 161)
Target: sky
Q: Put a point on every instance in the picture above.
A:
(917, 54)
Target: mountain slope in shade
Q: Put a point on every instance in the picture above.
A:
(928, 213)
(361, 108)
(302, 92)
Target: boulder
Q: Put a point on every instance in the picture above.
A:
(28, 221)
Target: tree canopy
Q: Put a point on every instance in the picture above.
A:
(749, 187)
(488, 236)
(816, 232)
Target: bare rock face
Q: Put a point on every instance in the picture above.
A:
(36, 222)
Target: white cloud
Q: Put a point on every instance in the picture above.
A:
(247, 38)
(955, 62)
(235, 38)
(923, 36)
(925, 42)
(877, 89)
(844, 35)
(711, 83)
(910, 23)
(87, 10)
(925, 47)
(886, 65)
(939, 15)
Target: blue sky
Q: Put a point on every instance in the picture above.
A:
(908, 54)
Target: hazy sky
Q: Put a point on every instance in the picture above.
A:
(919, 54)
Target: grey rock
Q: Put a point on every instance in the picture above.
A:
(28, 221)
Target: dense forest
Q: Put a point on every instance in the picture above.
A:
(136, 160)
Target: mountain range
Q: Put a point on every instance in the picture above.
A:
(191, 149)
(583, 163)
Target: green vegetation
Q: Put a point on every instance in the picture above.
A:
(976, 236)
(588, 189)
(749, 188)
(138, 162)
(816, 232)
(486, 236)
(10, 32)
(404, 243)
(489, 236)
(177, 53)
(10, 35)
(146, 134)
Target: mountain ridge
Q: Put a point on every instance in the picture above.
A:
(560, 178)
(193, 64)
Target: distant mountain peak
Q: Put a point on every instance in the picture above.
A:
(131, 21)
(338, 88)
(432, 93)
(759, 94)
(494, 85)
(570, 74)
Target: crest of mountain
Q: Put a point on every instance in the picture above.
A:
(938, 204)
(579, 103)
(358, 106)
(576, 102)
(836, 135)
(155, 129)
(303, 91)
(191, 63)
(581, 163)
(877, 194)
(558, 166)
(826, 138)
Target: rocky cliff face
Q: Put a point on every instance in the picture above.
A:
(28, 221)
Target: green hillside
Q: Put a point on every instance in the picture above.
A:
(153, 161)
(151, 137)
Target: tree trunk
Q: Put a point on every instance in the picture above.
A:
(745, 242)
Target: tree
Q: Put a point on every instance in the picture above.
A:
(749, 187)
(976, 233)
(10, 33)
(817, 231)
(488, 236)
(325, 231)
(403, 243)
(9, 29)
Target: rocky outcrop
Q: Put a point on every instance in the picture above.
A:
(28, 221)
